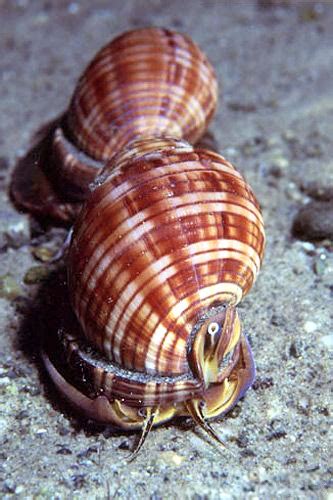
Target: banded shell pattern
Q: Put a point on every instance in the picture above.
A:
(144, 83)
(169, 241)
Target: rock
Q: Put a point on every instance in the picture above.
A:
(294, 351)
(310, 326)
(278, 165)
(327, 341)
(9, 288)
(171, 458)
(314, 221)
(36, 274)
(8, 486)
(293, 193)
(44, 254)
(319, 264)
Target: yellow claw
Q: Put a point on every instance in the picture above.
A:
(194, 408)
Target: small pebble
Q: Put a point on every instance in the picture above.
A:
(19, 489)
(4, 381)
(41, 431)
(293, 193)
(308, 246)
(43, 254)
(171, 458)
(314, 221)
(230, 152)
(63, 450)
(8, 486)
(289, 135)
(9, 288)
(327, 340)
(14, 229)
(36, 274)
(319, 265)
(258, 475)
(304, 405)
(274, 409)
(310, 326)
(242, 440)
(235, 412)
(22, 414)
(281, 162)
(124, 445)
(294, 351)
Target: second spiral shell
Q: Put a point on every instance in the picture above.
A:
(144, 83)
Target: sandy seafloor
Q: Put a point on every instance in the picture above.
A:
(275, 122)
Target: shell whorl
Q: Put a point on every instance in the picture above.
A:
(168, 233)
(147, 82)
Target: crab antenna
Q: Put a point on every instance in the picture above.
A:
(194, 407)
(146, 428)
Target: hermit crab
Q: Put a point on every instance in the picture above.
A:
(168, 238)
(169, 241)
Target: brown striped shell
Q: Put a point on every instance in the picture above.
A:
(144, 83)
(169, 241)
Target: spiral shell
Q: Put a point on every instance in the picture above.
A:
(144, 83)
(169, 241)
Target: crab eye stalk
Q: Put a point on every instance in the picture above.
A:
(213, 343)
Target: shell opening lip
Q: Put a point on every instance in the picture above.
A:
(74, 150)
(102, 409)
(89, 355)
